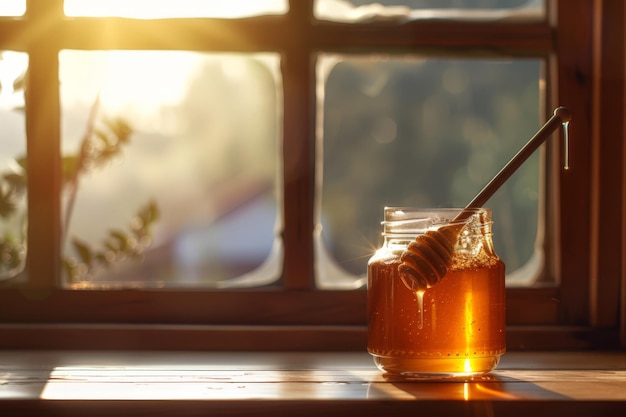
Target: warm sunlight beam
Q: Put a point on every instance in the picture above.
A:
(150, 9)
(140, 84)
(127, 82)
(154, 382)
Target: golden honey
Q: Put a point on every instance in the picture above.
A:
(455, 328)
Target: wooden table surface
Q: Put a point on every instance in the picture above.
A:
(69, 383)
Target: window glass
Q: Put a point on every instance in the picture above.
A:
(400, 10)
(147, 9)
(424, 132)
(12, 7)
(176, 182)
(13, 191)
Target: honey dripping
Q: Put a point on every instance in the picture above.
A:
(420, 308)
(566, 144)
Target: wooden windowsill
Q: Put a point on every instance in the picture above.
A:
(94, 383)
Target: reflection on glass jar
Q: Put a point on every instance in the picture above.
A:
(455, 328)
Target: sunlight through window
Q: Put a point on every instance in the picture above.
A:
(152, 9)
(197, 382)
(12, 7)
(211, 177)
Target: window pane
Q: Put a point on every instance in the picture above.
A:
(12, 7)
(203, 150)
(367, 10)
(147, 9)
(13, 193)
(420, 132)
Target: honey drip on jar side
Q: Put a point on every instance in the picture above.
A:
(420, 308)
(566, 144)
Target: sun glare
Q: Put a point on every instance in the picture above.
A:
(151, 9)
(145, 77)
(12, 7)
(129, 82)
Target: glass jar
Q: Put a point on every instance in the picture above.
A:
(455, 328)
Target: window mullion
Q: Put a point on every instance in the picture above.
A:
(201, 34)
(607, 175)
(487, 38)
(44, 9)
(574, 73)
(298, 150)
(43, 161)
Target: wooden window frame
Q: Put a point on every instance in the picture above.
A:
(583, 42)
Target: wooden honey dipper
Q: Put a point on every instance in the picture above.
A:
(427, 258)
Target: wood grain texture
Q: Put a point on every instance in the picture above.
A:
(273, 383)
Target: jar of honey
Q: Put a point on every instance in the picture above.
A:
(455, 328)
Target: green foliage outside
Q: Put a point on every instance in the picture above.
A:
(99, 146)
